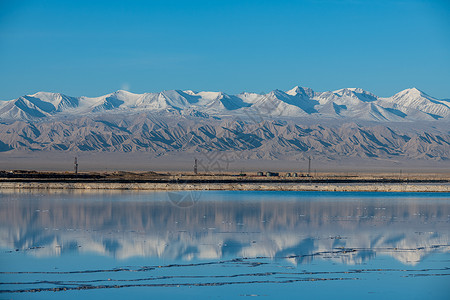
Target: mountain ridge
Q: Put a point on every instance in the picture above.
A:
(344, 124)
(355, 103)
(235, 139)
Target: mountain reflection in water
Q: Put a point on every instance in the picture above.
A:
(298, 226)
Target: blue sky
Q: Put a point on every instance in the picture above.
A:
(96, 47)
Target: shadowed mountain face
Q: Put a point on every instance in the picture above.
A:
(217, 226)
(240, 138)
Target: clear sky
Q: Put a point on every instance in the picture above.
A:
(92, 48)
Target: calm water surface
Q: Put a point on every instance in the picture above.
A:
(224, 244)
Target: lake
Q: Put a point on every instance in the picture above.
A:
(224, 244)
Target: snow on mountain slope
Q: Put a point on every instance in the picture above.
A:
(108, 102)
(279, 103)
(302, 91)
(38, 105)
(59, 101)
(219, 102)
(25, 108)
(348, 97)
(414, 99)
(354, 103)
(357, 93)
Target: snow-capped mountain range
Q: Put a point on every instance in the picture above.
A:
(408, 105)
(292, 125)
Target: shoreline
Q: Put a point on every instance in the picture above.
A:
(152, 186)
(153, 181)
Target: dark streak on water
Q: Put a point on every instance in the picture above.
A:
(170, 285)
(241, 261)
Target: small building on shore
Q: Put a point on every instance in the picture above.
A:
(272, 174)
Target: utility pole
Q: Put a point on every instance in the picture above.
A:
(75, 165)
(309, 165)
(195, 166)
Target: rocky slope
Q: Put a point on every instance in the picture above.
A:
(268, 139)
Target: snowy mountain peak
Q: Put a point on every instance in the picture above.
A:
(415, 90)
(352, 91)
(53, 98)
(294, 91)
(302, 91)
(356, 94)
(420, 101)
(123, 93)
(50, 102)
(190, 92)
(47, 95)
(411, 92)
(277, 93)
